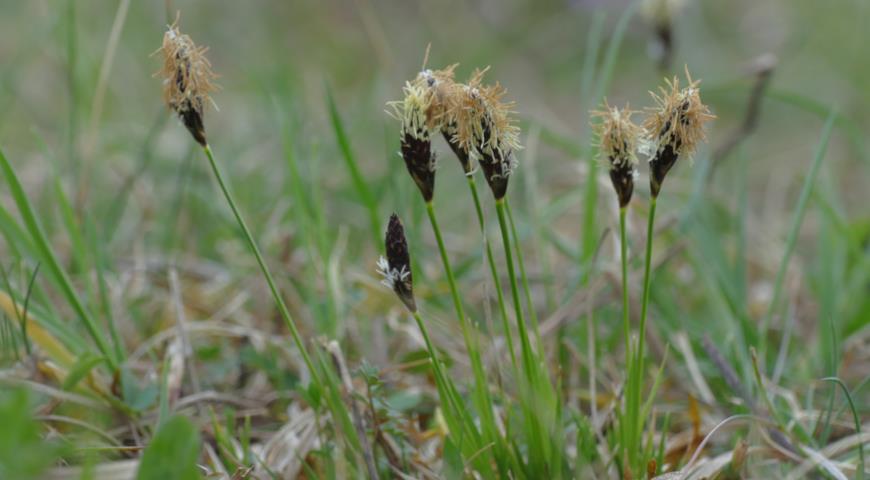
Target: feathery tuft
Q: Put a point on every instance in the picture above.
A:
(618, 141)
(187, 80)
(440, 87)
(675, 127)
(483, 125)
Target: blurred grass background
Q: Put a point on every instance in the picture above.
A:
(365, 50)
(269, 52)
(138, 184)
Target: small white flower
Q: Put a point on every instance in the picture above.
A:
(647, 147)
(391, 275)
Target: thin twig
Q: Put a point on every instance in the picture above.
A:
(762, 69)
(728, 372)
(730, 376)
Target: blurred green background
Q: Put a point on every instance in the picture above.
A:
(366, 49)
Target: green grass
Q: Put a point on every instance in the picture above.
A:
(545, 345)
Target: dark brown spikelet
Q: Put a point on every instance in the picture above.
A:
(617, 142)
(420, 160)
(675, 127)
(187, 80)
(414, 113)
(396, 267)
(449, 132)
(497, 166)
(421, 112)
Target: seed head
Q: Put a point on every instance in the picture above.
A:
(396, 267)
(422, 112)
(674, 127)
(441, 88)
(618, 140)
(446, 94)
(187, 80)
(482, 125)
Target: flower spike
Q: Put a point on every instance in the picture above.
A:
(675, 127)
(187, 80)
(484, 127)
(396, 267)
(618, 141)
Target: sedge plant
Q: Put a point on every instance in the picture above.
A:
(446, 94)
(419, 114)
(187, 85)
(485, 127)
(395, 268)
(617, 143)
(673, 128)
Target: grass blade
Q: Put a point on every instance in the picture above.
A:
(359, 182)
(855, 417)
(797, 221)
(48, 257)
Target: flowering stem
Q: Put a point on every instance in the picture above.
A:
(629, 419)
(481, 393)
(454, 291)
(528, 357)
(625, 318)
(448, 395)
(525, 279)
(495, 280)
(282, 307)
(646, 274)
(635, 380)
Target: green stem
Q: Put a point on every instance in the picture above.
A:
(470, 341)
(630, 402)
(282, 307)
(454, 291)
(494, 272)
(623, 247)
(540, 405)
(646, 275)
(533, 316)
(452, 403)
(528, 357)
(763, 391)
(481, 391)
(637, 369)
